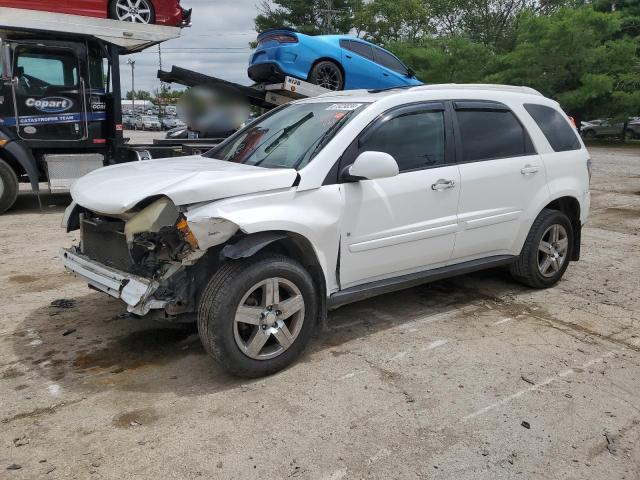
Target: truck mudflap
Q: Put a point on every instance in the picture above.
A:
(137, 292)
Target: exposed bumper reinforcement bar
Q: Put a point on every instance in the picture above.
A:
(135, 291)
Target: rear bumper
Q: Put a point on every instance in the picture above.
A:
(266, 72)
(137, 292)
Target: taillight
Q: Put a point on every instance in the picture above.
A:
(278, 37)
(590, 169)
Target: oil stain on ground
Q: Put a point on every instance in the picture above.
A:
(141, 348)
(135, 418)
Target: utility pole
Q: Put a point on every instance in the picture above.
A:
(328, 14)
(132, 63)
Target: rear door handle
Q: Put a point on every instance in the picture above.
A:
(529, 170)
(443, 184)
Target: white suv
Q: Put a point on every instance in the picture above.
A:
(331, 200)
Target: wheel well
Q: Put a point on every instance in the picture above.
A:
(332, 60)
(570, 206)
(286, 243)
(13, 163)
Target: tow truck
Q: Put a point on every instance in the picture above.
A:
(60, 111)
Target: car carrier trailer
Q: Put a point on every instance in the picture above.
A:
(60, 112)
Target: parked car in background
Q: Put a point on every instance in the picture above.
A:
(171, 122)
(336, 62)
(127, 121)
(147, 122)
(605, 127)
(331, 200)
(160, 12)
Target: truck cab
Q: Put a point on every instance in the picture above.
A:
(60, 114)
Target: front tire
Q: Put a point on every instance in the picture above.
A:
(257, 315)
(590, 135)
(134, 11)
(328, 75)
(547, 251)
(8, 186)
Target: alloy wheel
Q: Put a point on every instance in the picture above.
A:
(136, 11)
(269, 318)
(552, 250)
(328, 77)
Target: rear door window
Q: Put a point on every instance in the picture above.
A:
(561, 135)
(488, 134)
(361, 49)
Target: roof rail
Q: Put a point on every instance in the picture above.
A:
(131, 37)
(479, 86)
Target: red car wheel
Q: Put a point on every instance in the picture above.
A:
(135, 11)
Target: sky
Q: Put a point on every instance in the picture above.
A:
(216, 44)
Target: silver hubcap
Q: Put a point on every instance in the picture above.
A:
(1, 187)
(136, 11)
(552, 251)
(269, 318)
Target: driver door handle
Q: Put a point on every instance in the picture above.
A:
(529, 169)
(443, 184)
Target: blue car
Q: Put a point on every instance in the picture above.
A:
(336, 62)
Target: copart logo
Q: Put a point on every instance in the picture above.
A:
(50, 104)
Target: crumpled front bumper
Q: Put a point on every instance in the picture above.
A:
(137, 292)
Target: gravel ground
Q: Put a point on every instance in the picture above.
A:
(475, 377)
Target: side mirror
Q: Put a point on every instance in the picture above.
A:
(371, 166)
(411, 73)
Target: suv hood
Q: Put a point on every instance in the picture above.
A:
(185, 180)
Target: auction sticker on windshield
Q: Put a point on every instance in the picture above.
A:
(344, 106)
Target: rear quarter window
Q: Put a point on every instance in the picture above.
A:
(559, 133)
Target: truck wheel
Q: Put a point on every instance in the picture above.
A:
(135, 11)
(546, 252)
(8, 186)
(256, 315)
(327, 74)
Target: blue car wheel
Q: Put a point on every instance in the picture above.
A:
(328, 75)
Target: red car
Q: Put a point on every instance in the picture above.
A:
(160, 12)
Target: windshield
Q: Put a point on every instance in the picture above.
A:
(288, 138)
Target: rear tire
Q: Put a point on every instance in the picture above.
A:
(631, 134)
(8, 186)
(547, 251)
(327, 74)
(249, 330)
(590, 135)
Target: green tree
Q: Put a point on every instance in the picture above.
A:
(452, 59)
(308, 16)
(140, 95)
(578, 57)
(384, 21)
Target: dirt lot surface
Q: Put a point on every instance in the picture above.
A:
(475, 377)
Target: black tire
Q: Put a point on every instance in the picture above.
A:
(589, 134)
(526, 268)
(8, 186)
(221, 299)
(327, 74)
(113, 12)
(631, 134)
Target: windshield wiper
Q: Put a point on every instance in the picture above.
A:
(320, 142)
(286, 133)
